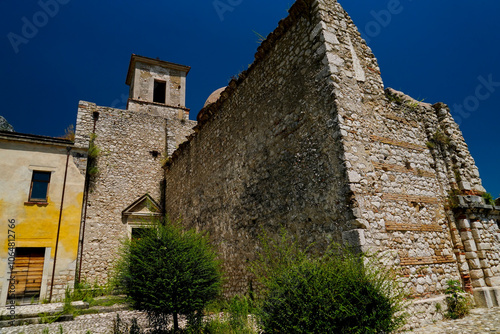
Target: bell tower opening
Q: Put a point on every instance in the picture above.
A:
(159, 91)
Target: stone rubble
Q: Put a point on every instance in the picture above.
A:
(479, 321)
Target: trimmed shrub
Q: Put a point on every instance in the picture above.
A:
(169, 271)
(339, 292)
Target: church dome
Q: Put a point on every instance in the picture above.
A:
(214, 96)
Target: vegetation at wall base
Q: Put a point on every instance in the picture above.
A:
(229, 317)
(88, 292)
(169, 272)
(339, 292)
(459, 302)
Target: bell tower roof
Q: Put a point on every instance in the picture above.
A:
(151, 61)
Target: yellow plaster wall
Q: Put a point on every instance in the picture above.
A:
(36, 225)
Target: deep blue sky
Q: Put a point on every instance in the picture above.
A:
(432, 50)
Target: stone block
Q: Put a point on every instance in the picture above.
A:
(488, 273)
(478, 283)
(466, 235)
(463, 223)
(471, 255)
(330, 37)
(464, 267)
(483, 246)
(481, 254)
(354, 177)
(485, 298)
(476, 234)
(493, 281)
(476, 274)
(474, 264)
(470, 245)
(477, 225)
(485, 264)
(464, 185)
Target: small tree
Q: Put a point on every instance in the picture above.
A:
(169, 271)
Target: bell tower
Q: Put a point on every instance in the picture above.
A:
(157, 87)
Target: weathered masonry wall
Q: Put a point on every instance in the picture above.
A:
(307, 138)
(128, 168)
(144, 76)
(129, 185)
(268, 156)
(478, 224)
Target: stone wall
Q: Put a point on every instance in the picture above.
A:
(478, 225)
(133, 146)
(267, 154)
(308, 139)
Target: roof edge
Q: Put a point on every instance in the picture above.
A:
(24, 137)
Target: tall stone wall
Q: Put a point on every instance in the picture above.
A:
(308, 139)
(132, 146)
(267, 154)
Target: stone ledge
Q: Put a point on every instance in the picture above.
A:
(398, 143)
(487, 297)
(401, 120)
(392, 226)
(412, 261)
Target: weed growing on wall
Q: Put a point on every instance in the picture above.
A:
(488, 199)
(93, 153)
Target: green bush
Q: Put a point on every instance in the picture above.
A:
(169, 271)
(339, 292)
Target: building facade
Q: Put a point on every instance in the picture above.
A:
(42, 184)
(127, 190)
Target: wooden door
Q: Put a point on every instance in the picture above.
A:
(28, 272)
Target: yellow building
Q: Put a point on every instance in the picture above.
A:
(42, 182)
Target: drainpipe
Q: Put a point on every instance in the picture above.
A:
(68, 151)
